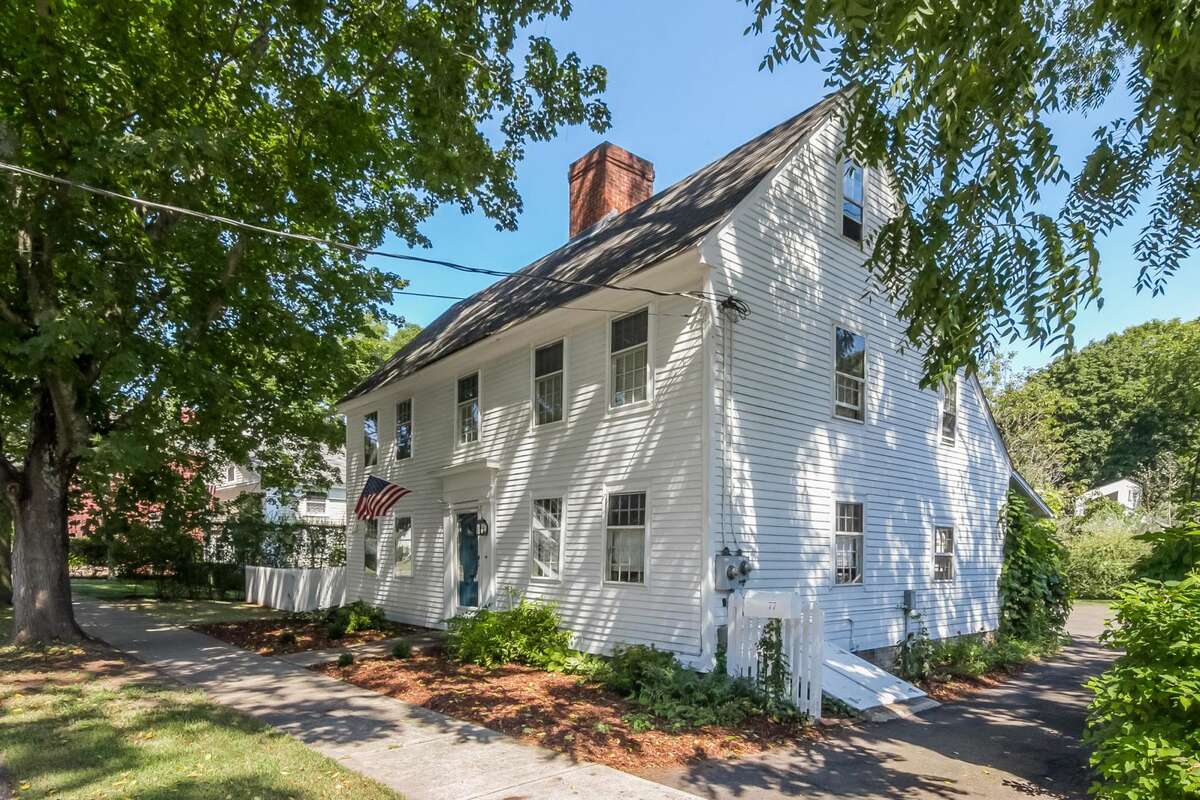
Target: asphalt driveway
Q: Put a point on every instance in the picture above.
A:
(1020, 740)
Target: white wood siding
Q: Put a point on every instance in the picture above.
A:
(656, 448)
(783, 253)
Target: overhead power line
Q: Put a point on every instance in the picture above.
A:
(335, 243)
(407, 293)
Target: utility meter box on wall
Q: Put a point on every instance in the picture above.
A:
(731, 570)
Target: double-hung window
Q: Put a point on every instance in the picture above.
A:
(370, 546)
(848, 544)
(546, 537)
(402, 558)
(548, 384)
(314, 504)
(850, 374)
(626, 538)
(943, 553)
(371, 439)
(949, 411)
(629, 345)
(468, 409)
(852, 200)
(404, 429)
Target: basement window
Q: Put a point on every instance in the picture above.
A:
(848, 544)
(852, 200)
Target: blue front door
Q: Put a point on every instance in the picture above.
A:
(468, 560)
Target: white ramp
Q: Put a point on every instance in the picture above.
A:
(859, 683)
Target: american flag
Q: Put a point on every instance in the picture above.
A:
(377, 498)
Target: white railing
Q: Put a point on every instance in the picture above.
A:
(802, 628)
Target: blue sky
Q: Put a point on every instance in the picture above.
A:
(684, 88)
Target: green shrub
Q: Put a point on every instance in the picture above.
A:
(676, 697)
(1100, 561)
(345, 659)
(402, 649)
(914, 658)
(287, 638)
(355, 617)
(335, 631)
(1144, 722)
(966, 656)
(1035, 599)
(1174, 551)
(528, 633)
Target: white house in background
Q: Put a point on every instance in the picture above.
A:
(1124, 491)
(604, 448)
(324, 506)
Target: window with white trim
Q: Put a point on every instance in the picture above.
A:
(404, 429)
(371, 439)
(314, 504)
(402, 556)
(468, 409)
(848, 544)
(949, 411)
(630, 351)
(943, 553)
(850, 374)
(625, 544)
(852, 200)
(370, 546)
(548, 384)
(546, 537)
(231, 474)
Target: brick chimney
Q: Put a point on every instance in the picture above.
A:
(609, 179)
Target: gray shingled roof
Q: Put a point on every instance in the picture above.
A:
(670, 222)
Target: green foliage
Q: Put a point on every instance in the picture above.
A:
(675, 697)
(528, 633)
(774, 672)
(1103, 551)
(914, 656)
(355, 617)
(1144, 722)
(133, 337)
(1121, 405)
(1035, 598)
(345, 659)
(245, 536)
(402, 650)
(1174, 551)
(922, 659)
(976, 254)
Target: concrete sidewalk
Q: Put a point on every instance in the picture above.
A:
(419, 753)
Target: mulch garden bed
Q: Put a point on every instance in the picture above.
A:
(558, 712)
(263, 635)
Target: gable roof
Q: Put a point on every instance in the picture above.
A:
(670, 222)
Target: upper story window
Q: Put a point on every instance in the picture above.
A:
(852, 200)
(370, 546)
(626, 538)
(546, 537)
(402, 559)
(404, 430)
(848, 544)
(371, 439)
(468, 409)
(850, 374)
(949, 411)
(629, 345)
(548, 384)
(314, 504)
(943, 553)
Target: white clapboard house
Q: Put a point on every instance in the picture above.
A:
(602, 448)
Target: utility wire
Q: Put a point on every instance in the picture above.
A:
(334, 243)
(405, 292)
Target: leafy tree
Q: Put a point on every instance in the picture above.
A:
(1114, 407)
(381, 343)
(1035, 599)
(1026, 413)
(955, 99)
(339, 118)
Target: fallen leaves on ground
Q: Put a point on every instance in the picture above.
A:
(263, 635)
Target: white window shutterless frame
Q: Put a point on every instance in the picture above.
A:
(549, 383)
(630, 379)
(467, 410)
(370, 428)
(404, 429)
(853, 207)
(849, 542)
(625, 538)
(547, 523)
(849, 373)
(949, 416)
(943, 553)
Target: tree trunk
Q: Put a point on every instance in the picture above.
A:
(6, 541)
(41, 583)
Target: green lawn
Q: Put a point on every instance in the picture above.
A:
(139, 596)
(80, 723)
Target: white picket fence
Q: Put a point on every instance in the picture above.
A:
(803, 632)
